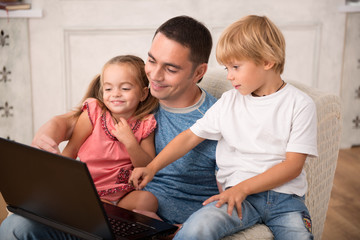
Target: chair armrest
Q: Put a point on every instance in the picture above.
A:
(321, 170)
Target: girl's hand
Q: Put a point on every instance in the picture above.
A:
(123, 132)
(233, 196)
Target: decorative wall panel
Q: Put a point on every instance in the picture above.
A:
(350, 94)
(16, 121)
(86, 51)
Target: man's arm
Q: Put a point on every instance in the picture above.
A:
(53, 132)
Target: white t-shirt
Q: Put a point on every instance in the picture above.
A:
(254, 134)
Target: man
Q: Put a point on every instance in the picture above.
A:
(177, 61)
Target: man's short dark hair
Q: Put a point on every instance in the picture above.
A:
(191, 34)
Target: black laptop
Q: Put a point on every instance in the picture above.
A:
(59, 192)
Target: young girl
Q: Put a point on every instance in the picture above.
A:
(115, 131)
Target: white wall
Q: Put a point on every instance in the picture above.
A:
(72, 41)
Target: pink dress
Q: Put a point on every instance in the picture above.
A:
(107, 159)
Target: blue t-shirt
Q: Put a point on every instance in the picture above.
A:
(182, 186)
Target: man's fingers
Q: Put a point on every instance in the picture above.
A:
(56, 150)
(46, 143)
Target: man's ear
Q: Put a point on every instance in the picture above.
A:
(200, 72)
(145, 93)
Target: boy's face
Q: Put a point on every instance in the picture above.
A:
(248, 77)
(170, 72)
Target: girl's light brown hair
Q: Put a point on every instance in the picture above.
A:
(253, 38)
(95, 89)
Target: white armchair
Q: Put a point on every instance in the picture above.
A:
(320, 170)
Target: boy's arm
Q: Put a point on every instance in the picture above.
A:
(82, 131)
(53, 132)
(177, 148)
(272, 178)
(219, 187)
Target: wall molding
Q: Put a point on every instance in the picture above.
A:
(87, 33)
(313, 28)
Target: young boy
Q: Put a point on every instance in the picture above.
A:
(265, 130)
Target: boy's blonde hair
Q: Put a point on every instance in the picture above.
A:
(252, 38)
(95, 89)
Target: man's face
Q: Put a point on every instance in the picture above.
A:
(170, 72)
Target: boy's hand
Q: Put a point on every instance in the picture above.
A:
(140, 177)
(232, 196)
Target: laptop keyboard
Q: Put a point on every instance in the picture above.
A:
(123, 228)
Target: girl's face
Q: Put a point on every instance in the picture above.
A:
(246, 76)
(121, 92)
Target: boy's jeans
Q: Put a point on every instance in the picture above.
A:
(286, 216)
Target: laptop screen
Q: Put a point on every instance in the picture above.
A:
(59, 192)
(50, 186)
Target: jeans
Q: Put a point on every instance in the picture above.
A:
(18, 227)
(286, 215)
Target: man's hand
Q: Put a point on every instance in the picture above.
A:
(54, 131)
(232, 196)
(45, 143)
(140, 177)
